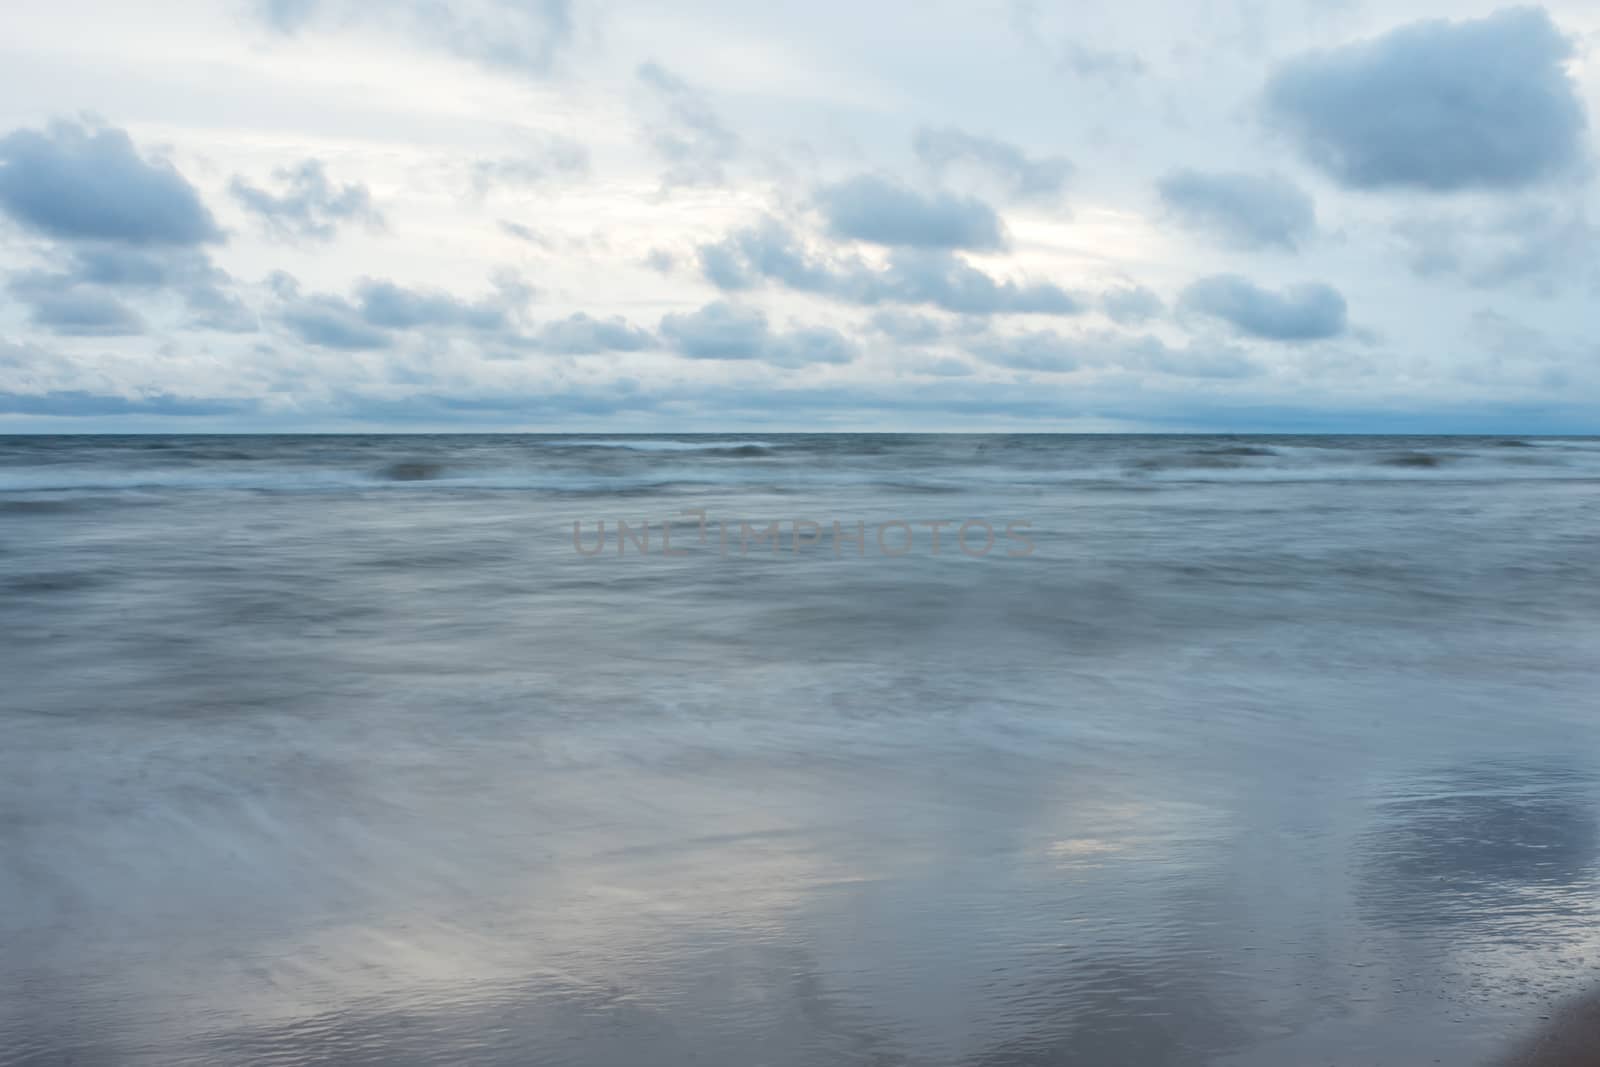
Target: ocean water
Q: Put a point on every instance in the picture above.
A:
(1224, 751)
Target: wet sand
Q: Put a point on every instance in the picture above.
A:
(1570, 1039)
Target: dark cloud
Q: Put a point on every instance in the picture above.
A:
(1132, 305)
(1438, 105)
(381, 308)
(749, 258)
(1248, 211)
(214, 308)
(1309, 312)
(517, 36)
(582, 334)
(945, 281)
(83, 312)
(394, 307)
(1024, 176)
(79, 182)
(719, 330)
(310, 207)
(884, 212)
(329, 322)
(811, 344)
(1037, 351)
(722, 330)
(686, 131)
(85, 287)
(204, 288)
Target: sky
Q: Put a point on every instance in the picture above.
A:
(622, 216)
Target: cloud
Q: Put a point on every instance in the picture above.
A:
(83, 312)
(76, 182)
(581, 334)
(517, 36)
(329, 322)
(382, 308)
(945, 281)
(907, 328)
(1046, 351)
(726, 331)
(880, 211)
(1071, 56)
(769, 251)
(1024, 176)
(1110, 66)
(686, 132)
(188, 273)
(1440, 106)
(394, 307)
(1309, 312)
(551, 158)
(1036, 351)
(1132, 305)
(1545, 247)
(88, 405)
(1249, 211)
(310, 206)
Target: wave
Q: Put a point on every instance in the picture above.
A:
(412, 470)
(1416, 459)
(748, 448)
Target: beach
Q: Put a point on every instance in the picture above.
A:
(1172, 750)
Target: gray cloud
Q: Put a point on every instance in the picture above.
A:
(1132, 305)
(1110, 66)
(517, 36)
(1050, 352)
(552, 158)
(1245, 210)
(884, 212)
(82, 312)
(214, 308)
(310, 207)
(394, 307)
(382, 308)
(329, 322)
(687, 132)
(88, 405)
(204, 289)
(906, 327)
(79, 182)
(1545, 247)
(722, 330)
(770, 252)
(1300, 313)
(943, 148)
(582, 334)
(1437, 105)
(1037, 351)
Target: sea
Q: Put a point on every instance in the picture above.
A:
(794, 750)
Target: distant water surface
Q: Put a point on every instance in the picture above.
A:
(1272, 750)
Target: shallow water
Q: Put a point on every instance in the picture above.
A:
(1270, 751)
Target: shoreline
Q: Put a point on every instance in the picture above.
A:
(1570, 1038)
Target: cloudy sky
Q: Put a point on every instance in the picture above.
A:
(618, 215)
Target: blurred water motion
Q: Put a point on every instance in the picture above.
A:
(1276, 750)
